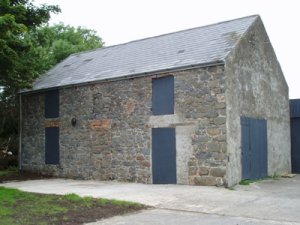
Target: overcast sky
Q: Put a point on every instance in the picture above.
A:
(119, 21)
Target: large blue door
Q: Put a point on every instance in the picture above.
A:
(295, 144)
(254, 148)
(164, 156)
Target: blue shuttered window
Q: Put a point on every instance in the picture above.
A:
(52, 104)
(163, 95)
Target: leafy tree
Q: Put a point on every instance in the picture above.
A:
(17, 18)
(29, 47)
(55, 43)
(17, 61)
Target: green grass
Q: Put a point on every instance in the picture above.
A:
(249, 181)
(8, 172)
(274, 177)
(103, 201)
(18, 207)
(85, 201)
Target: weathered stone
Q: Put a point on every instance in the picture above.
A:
(51, 123)
(206, 181)
(221, 138)
(213, 147)
(204, 77)
(146, 163)
(221, 97)
(223, 146)
(129, 106)
(140, 157)
(214, 163)
(203, 139)
(203, 171)
(192, 171)
(213, 84)
(104, 124)
(219, 156)
(220, 181)
(213, 132)
(211, 114)
(203, 155)
(192, 163)
(128, 163)
(220, 120)
(217, 172)
(220, 105)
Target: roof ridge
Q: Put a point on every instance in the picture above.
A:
(243, 35)
(161, 35)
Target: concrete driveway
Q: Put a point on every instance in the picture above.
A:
(265, 202)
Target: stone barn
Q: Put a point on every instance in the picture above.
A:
(204, 106)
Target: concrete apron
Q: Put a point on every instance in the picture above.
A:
(273, 200)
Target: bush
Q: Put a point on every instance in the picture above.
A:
(8, 152)
(8, 134)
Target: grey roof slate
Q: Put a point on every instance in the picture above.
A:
(197, 46)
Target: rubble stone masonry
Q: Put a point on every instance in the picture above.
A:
(112, 135)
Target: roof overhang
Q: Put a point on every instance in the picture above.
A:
(129, 76)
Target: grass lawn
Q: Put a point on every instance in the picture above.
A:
(23, 208)
(18, 207)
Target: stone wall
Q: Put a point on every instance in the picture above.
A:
(33, 136)
(200, 98)
(112, 136)
(256, 88)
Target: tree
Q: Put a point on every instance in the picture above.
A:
(55, 43)
(17, 62)
(17, 18)
(29, 47)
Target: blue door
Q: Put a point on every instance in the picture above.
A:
(295, 144)
(164, 156)
(52, 145)
(254, 148)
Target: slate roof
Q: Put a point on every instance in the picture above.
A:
(193, 47)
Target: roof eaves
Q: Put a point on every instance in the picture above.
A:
(130, 76)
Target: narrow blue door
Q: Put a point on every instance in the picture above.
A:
(52, 145)
(246, 151)
(259, 148)
(254, 148)
(295, 144)
(164, 156)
